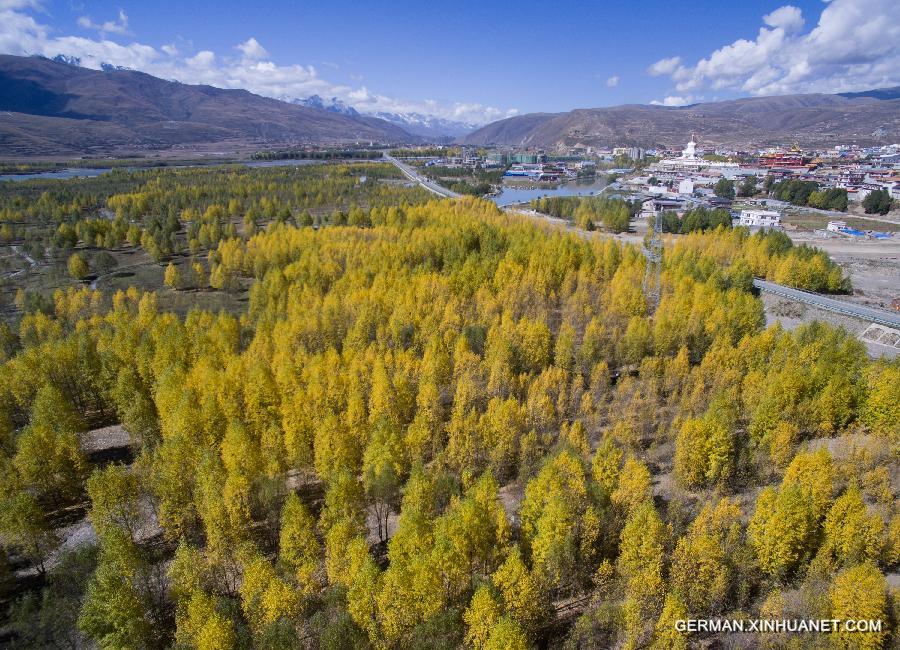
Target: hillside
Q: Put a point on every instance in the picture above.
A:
(862, 118)
(53, 108)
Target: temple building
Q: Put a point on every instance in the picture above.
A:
(691, 161)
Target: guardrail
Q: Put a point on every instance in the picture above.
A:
(872, 314)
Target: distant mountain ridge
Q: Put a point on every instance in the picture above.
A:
(864, 118)
(58, 108)
(333, 105)
(427, 126)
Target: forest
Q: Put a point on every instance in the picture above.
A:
(700, 218)
(587, 212)
(808, 193)
(125, 222)
(432, 424)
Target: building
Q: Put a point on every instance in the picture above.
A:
(686, 186)
(781, 159)
(691, 161)
(760, 219)
(527, 158)
(635, 153)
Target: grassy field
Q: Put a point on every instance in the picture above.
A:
(813, 221)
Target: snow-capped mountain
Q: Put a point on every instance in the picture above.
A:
(333, 105)
(429, 126)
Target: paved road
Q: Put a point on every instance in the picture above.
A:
(411, 174)
(879, 316)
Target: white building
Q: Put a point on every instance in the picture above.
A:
(760, 219)
(691, 161)
(686, 186)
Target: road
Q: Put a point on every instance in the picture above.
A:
(838, 306)
(411, 174)
(869, 314)
(824, 302)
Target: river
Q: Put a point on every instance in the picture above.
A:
(584, 187)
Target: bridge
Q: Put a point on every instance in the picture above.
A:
(415, 177)
(879, 316)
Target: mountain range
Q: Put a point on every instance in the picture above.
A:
(333, 105)
(427, 126)
(58, 108)
(864, 118)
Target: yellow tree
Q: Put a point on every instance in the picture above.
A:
(115, 496)
(77, 266)
(202, 624)
(265, 598)
(48, 456)
(481, 617)
(852, 535)
(666, 635)
(560, 523)
(633, 487)
(523, 599)
(172, 276)
(860, 594)
(298, 548)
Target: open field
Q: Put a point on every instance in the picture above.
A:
(807, 220)
(873, 265)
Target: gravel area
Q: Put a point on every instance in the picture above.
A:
(105, 438)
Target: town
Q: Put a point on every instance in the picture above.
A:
(756, 187)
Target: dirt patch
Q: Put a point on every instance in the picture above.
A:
(511, 496)
(105, 438)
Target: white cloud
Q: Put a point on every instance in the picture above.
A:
(613, 81)
(676, 100)
(788, 17)
(119, 26)
(9, 5)
(252, 49)
(854, 46)
(664, 66)
(251, 68)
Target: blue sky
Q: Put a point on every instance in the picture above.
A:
(479, 61)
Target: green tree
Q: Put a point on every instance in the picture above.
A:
(115, 496)
(119, 609)
(23, 527)
(748, 186)
(48, 456)
(724, 188)
(877, 202)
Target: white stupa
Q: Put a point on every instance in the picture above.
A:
(690, 161)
